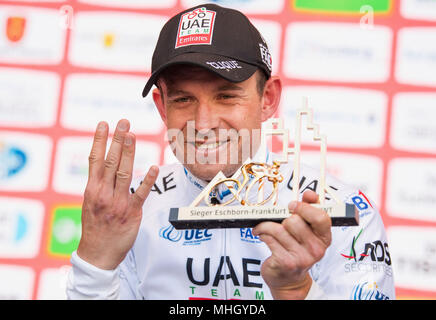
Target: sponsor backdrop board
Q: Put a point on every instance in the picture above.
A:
(367, 66)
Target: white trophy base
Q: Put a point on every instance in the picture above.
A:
(249, 216)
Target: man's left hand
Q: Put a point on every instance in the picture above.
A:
(296, 245)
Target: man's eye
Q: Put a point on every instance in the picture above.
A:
(181, 100)
(226, 96)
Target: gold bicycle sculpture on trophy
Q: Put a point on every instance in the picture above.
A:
(253, 173)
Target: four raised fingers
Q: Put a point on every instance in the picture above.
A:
(115, 172)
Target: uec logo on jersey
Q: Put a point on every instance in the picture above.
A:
(170, 233)
(190, 236)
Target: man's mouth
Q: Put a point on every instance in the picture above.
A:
(207, 151)
(204, 145)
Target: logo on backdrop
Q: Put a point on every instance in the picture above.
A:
(65, 231)
(20, 227)
(12, 160)
(14, 226)
(15, 27)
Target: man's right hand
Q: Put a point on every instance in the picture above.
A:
(110, 214)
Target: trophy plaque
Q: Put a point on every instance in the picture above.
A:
(254, 187)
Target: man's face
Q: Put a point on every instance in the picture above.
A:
(219, 121)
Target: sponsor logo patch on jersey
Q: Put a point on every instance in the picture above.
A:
(195, 27)
(247, 236)
(367, 291)
(188, 237)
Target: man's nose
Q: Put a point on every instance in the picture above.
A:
(205, 117)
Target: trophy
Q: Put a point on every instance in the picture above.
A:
(254, 187)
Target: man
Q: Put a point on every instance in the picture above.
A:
(212, 70)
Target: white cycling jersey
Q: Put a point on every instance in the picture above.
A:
(165, 263)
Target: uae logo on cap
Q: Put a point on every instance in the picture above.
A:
(15, 28)
(195, 27)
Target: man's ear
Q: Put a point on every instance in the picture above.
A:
(271, 97)
(158, 101)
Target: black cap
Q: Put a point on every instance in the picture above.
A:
(219, 39)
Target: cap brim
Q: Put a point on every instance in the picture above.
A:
(227, 68)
